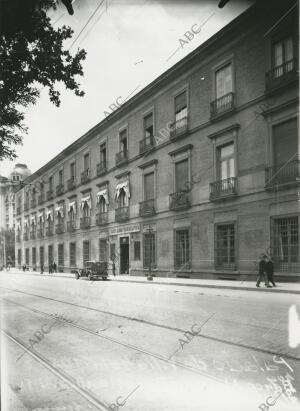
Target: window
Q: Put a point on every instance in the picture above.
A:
(137, 250)
(72, 253)
(226, 161)
(19, 257)
(224, 81)
(286, 244)
(149, 186)
(33, 252)
(103, 153)
(86, 251)
(60, 251)
(181, 175)
(27, 256)
(50, 183)
(102, 205)
(72, 171)
(85, 210)
(122, 198)
(102, 250)
(42, 187)
(149, 250)
(285, 142)
(41, 256)
(182, 248)
(225, 246)
(283, 54)
(181, 107)
(86, 162)
(60, 177)
(50, 254)
(148, 126)
(123, 141)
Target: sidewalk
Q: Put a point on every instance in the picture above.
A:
(290, 288)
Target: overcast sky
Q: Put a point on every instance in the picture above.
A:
(129, 43)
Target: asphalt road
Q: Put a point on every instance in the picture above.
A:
(106, 345)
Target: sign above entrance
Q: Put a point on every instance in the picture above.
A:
(124, 229)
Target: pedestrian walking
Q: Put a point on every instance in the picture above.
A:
(24, 267)
(270, 270)
(54, 267)
(50, 268)
(262, 271)
(42, 268)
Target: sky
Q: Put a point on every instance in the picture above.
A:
(129, 43)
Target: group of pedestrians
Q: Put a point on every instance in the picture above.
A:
(266, 271)
(52, 268)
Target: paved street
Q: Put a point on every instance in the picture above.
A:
(76, 345)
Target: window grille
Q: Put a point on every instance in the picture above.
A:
(225, 247)
(50, 254)
(41, 255)
(113, 251)
(137, 250)
(182, 249)
(86, 251)
(102, 250)
(286, 244)
(33, 256)
(60, 255)
(19, 257)
(149, 253)
(72, 247)
(27, 256)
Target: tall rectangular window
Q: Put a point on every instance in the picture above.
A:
(42, 259)
(225, 246)
(50, 183)
(181, 106)
(286, 244)
(182, 248)
(113, 251)
(19, 257)
(283, 53)
(285, 142)
(224, 84)
(50, 254)
(60, 177)
(86, 251)
(102, 250)
(86, 162)
(149, 186)
(226, 161)
(33, 255)
(148, 126)
(149, 252)
(123, 141)
(137, 250)
(72, 254)
(72, 171)
(181, 175)
(103, 153)
(27, 256)
(60, 252)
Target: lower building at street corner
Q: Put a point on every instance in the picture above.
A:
(195, 176)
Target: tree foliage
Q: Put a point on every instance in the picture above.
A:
(32, 56)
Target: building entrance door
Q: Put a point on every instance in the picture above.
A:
(124, 255)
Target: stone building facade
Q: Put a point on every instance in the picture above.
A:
(197, 175)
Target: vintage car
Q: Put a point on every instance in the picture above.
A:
(93, 270)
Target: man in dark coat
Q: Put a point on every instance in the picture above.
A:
(270, 270)
(262, 271)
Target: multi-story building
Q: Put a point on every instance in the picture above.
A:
(197, 175)
(7, 211)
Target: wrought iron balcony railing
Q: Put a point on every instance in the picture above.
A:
(222, 105)
(122, 214)
(71, 226)
(147, 208)
(59, 189)
(33, 235)
(33, 203)
(71, 183)
(50, 195)
(49, 231)
(25, 236)
(26, 206)
(101, 168)
(283, 175)
(281, 75)
(85, 176)
(60, 228)
(179, 200)
(85, 222)
(41, 199)
(102, 218)
(223, 188)
(121, 157)
(179, 128)
(147, 144)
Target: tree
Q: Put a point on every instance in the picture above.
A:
(31, 55)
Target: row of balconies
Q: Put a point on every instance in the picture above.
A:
(277, 177)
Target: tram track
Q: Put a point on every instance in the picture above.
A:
(150, 323)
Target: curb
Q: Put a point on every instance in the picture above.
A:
(219, 286)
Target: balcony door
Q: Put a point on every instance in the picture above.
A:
(224, 81)
(226, 162)
(181, 175)
(285, 142)
(149, 186)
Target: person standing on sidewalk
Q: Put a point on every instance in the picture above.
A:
(270, 270)
(262, 271)
(50, 268)
(54, 267)
(42, 268)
